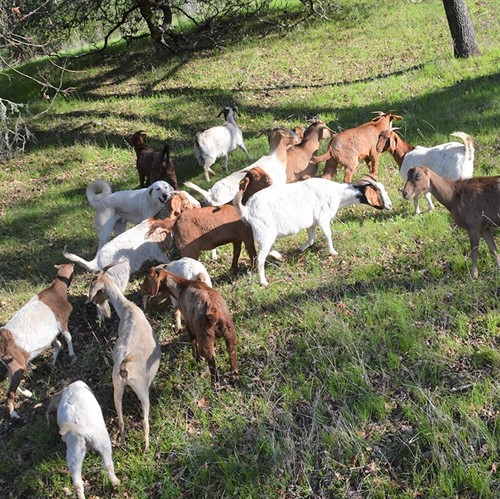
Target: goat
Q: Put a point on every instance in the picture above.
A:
(185, 267)
(350, 146)
(299, 131)
(474, 204)
(136, 354)
(207, 228)
(284, 210)
(33, 328)
(178, 202)
(452, 160)
(133, 247)
(82, 426)
(205, 312)
(274, 164)
(152, 164)
(219, 141)
(298, 162)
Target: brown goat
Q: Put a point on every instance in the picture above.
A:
(298, 160)
(207, 228)
(175, 205)
(349, 147)
(152, 164)
(205, 312)
(474, 204)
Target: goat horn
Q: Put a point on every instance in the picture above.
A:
(368, 179)
(262, 132)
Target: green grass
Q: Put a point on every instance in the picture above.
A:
(372, 374)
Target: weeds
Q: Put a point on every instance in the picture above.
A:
(373, 374)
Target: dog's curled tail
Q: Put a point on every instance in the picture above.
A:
(94, 197)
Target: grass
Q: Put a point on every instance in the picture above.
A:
(373, 374)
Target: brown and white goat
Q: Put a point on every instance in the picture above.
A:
(205, 312)
(136, 354)
(152, 164)
(474, 204)
(298, 162)
(350, 146)
(207, 228)
(452, 160)
(32, 330)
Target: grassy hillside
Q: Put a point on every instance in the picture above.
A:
(372, 374)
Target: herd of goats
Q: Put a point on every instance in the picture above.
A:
(276, 196)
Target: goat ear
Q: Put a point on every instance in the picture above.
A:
(54, 404)
(394, 141)
(244, 183)
(372, 197)
(176, 204)
(325, 133)
(94, 289)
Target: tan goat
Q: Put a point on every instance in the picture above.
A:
(350, 146)
(474, 204)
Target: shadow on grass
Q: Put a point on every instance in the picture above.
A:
(462, 106)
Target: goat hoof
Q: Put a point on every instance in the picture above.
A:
(15, 420)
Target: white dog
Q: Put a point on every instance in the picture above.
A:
(132, 248)
(82, 427)
(115, 209)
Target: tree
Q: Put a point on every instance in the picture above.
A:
(462, 31)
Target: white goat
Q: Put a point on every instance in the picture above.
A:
(274, 164)
(218, 141)
(133, 248)
(32, 330)
(136, 354)
(82, 426)
(452, 160)
(185, 267)
(284, 210)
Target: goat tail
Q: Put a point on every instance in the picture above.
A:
(80, 261)
(165, 154)
(240, 208)
(468, 142)
(123, 371)
(197, 149)
(93, 196)
(319, 159)
(69, 427)
(203, 192)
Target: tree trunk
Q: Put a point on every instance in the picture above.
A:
(462, 31)
(146, 9)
